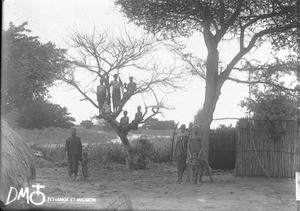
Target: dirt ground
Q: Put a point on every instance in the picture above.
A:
(156, 189)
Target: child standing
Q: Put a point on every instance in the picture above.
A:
(84, 163)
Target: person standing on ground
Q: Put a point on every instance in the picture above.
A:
(194, 146)
(73, 150)
(180, 151)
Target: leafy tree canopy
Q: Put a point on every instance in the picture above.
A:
(272, 103)
(272, 98)
(182, 18)
(40, 114)
(87, 124)
(155, 124)
(28, 66)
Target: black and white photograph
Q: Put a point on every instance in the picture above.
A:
(150, 105)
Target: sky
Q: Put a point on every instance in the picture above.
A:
(54, 20)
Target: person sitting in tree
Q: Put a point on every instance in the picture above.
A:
(124, 120)
(137, 119)
(116, 91)
(101, 95)
(130, 89)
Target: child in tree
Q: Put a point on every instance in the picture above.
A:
(124, 120)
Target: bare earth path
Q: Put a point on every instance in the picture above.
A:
(156, 189)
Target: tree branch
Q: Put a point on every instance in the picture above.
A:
(225, 74)
(263, 82)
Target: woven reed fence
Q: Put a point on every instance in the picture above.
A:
(259, 152)
(222, 149)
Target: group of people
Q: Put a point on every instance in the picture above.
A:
(124, 122)
(189, 153)
(75, 154)
(117, 85)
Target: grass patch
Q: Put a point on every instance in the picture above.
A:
(51, 142)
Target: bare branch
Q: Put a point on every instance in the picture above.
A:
(75, 85)
(225, 74)
(264, 82)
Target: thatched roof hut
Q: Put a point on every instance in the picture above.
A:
(17, 161)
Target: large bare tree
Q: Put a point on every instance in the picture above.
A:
(251, 22)
(102, 55)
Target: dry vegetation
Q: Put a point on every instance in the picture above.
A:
(51, 142)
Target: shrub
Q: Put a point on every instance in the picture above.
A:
(162, 151)
(142, 150)
(107, 153)
(87, 124)
(52, 154)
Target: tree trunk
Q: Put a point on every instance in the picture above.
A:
(212, 93)
(123, 136)
(128, 149)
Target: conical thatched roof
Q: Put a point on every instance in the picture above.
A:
(17, 161)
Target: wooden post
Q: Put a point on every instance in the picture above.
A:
(172, 140)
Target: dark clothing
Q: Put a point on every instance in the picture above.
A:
(73, 146)
(101, 95)
(116, 96)
(74, 149)
(138, 116)
(181, 145)
(124, 121)
(181, 162)
(73, 164)
(131, 87)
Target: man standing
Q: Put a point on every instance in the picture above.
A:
(73, 151)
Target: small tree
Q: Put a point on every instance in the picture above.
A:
(102, 55)
(155, 124)
(87, 124)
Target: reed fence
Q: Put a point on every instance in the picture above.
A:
(262, 150)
